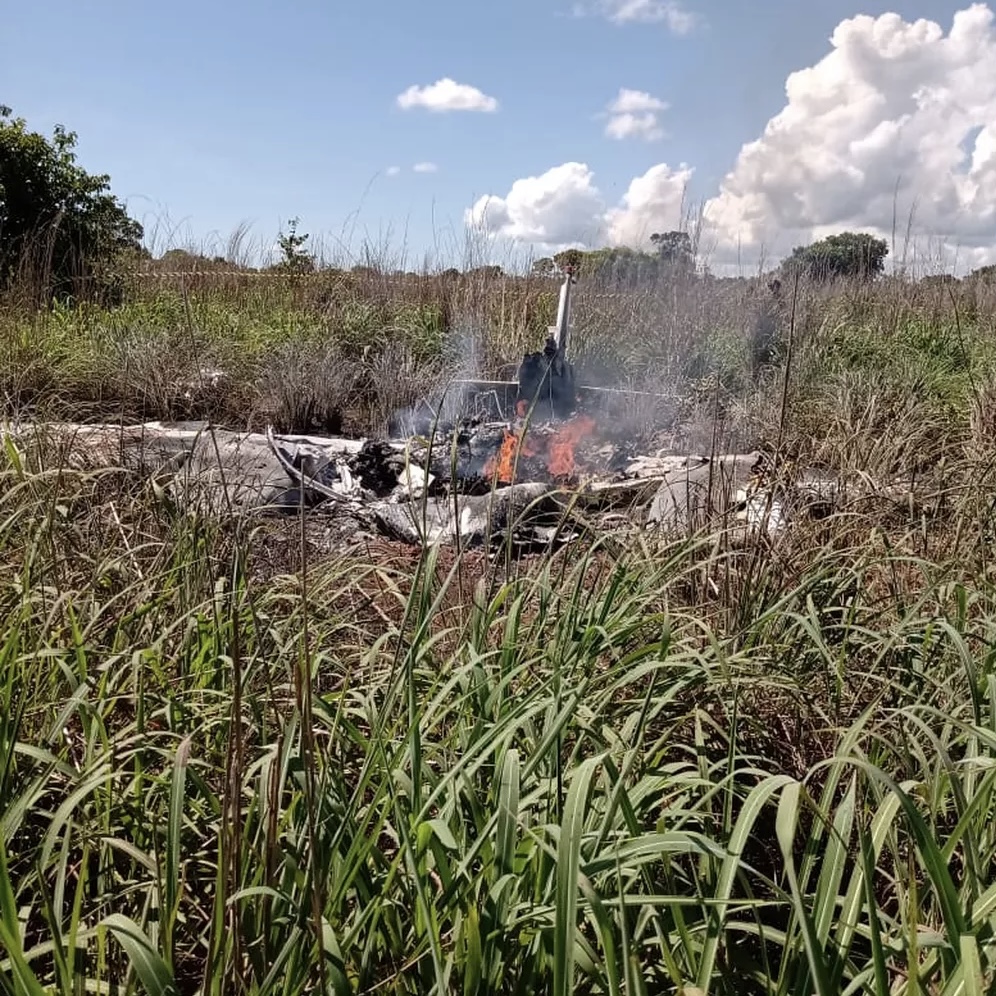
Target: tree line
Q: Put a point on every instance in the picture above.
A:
(64, 232)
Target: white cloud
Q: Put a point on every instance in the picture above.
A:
(446, 95)
(635, 114)
(678, 19)
(654, 202)
(393, 170)
(557, 209)
(563, 207)
(897, 117)
(425, 167)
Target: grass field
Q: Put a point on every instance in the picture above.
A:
(676, 767)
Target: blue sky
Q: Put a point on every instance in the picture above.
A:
(215, 114)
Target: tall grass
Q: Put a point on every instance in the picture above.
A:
(342, 350)
(676, 765)
(679, 768)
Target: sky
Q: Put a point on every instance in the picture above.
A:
(450, 131)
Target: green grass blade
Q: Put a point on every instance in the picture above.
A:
(151, 969)
(24, 982)
(508, 813)
(755, 802)
(881, 969)
(174, 834)
(789, 805)
(568, 865)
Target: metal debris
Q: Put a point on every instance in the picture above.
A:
(403, 490)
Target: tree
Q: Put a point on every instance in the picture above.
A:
(674, 249)
(486, 272)
(849, 254)
(185, 260)
(984, 274)
(619, 266)
(543, 267)
(295, 258)
(569, 259)
(60, 227)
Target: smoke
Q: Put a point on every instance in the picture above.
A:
(443, 405)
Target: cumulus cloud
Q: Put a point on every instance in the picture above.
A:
(559, 208)
(654, 202)
(897, 119)
(678, 19)
(393, 170)
(635, 114)
(899, 116)
(425, 167)
(563, 207)
(446, 95)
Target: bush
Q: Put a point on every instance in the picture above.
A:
(62, 234)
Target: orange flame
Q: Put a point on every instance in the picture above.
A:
(560, 449)
(502, 464)
(556, 450)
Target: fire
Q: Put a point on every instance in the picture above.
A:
(502, 464)
(556, 450)
(560, 449)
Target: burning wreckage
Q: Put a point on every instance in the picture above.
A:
(531, 466)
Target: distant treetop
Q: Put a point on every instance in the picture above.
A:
(848, 254)
(672, 254)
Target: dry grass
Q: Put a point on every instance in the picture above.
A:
(236, 757)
